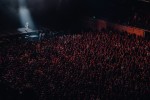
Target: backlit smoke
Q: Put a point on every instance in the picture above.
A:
(24, 14)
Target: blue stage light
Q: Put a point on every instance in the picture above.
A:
(24, 14)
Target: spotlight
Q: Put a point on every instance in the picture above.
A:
(24, 14)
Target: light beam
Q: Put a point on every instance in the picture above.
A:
(24, 14)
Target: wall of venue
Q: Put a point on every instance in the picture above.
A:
(101, 24)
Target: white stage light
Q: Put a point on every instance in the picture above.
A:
(24, 14)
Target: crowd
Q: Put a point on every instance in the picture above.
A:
(135, 20)
(138, 17)
(140, 20)
(85, 66)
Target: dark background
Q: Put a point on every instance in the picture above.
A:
(63, 14)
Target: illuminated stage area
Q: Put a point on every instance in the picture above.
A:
(26, 20)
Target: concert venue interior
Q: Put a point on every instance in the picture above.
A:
(75, 49)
